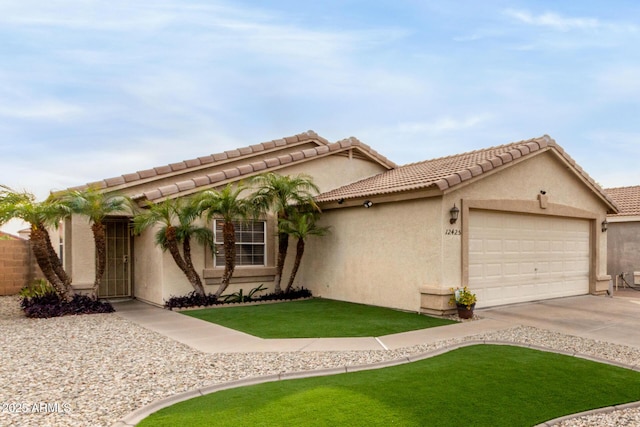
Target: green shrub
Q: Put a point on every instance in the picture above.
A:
(39, 288)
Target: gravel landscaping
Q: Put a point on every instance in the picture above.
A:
(91, 370)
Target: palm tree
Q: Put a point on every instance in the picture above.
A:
(176, 220)
(226, 204)
(96, 206)
(282, 193)
(39, 215)
(301, 226)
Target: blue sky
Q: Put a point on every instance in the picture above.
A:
(95, 89)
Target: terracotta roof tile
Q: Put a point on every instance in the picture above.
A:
(216, 177)
(627, 199)
(161, 170)
(231, 173)
(186, 185)
(168, 189)
(218, 157)
(153, 195)
(131, 177)
(284, 159)
(446, 172)
(257, 148)
(260, 165)
(232, 153)
(227, 155)
(178, 166)
(201, 181)
(274, 162)
(148, 173)
(245, 169)
(110, 182)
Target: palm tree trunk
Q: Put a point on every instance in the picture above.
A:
(56, 264)
(229, 236)
(296, 264)
(100, 240)
(39, 244)
(192, 275)
(283, 247)
(172, 246)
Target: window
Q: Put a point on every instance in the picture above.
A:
(250, 242)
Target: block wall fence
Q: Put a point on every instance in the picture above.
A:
(18, 266)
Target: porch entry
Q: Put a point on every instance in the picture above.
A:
(116, 282)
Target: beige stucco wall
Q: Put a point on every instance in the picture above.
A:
(379, 256)
(79, 251)
(386, 254)
(148, 268)
(335, 171)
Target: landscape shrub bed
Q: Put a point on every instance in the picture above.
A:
(194, 300)
(51, 305)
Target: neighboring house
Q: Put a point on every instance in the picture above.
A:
(528, 226)
(623, 240)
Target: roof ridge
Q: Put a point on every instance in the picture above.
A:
(462, 167)
(480, 150)
(528, 146)
(622, 188)
(260, 165)
(209, 159)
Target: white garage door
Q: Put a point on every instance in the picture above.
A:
(516, 258)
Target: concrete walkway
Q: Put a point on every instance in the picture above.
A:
(606, 319)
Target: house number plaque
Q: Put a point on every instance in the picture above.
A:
(452, 232)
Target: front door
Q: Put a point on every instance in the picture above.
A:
(116, 282)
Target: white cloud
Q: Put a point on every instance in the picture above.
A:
(561, 23)
(553, 20)
(42, 110)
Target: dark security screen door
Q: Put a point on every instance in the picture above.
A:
(116, 282)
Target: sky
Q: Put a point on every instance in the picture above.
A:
(96, 89)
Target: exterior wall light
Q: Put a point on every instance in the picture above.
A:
(454, 212)
(605, 225)
(367, 204)
(340, 201)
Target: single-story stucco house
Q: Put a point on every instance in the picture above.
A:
(516, 222)
(623, 235)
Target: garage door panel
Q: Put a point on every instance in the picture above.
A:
(517, 258)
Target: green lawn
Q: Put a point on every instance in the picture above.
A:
(483, 385)
(316, 318)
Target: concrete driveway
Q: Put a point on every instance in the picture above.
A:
(615, 320)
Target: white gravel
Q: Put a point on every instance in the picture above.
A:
(92, 370)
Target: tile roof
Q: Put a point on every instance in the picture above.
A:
(251, 168)
(446, 172)
(626, 198)
(206, 161)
